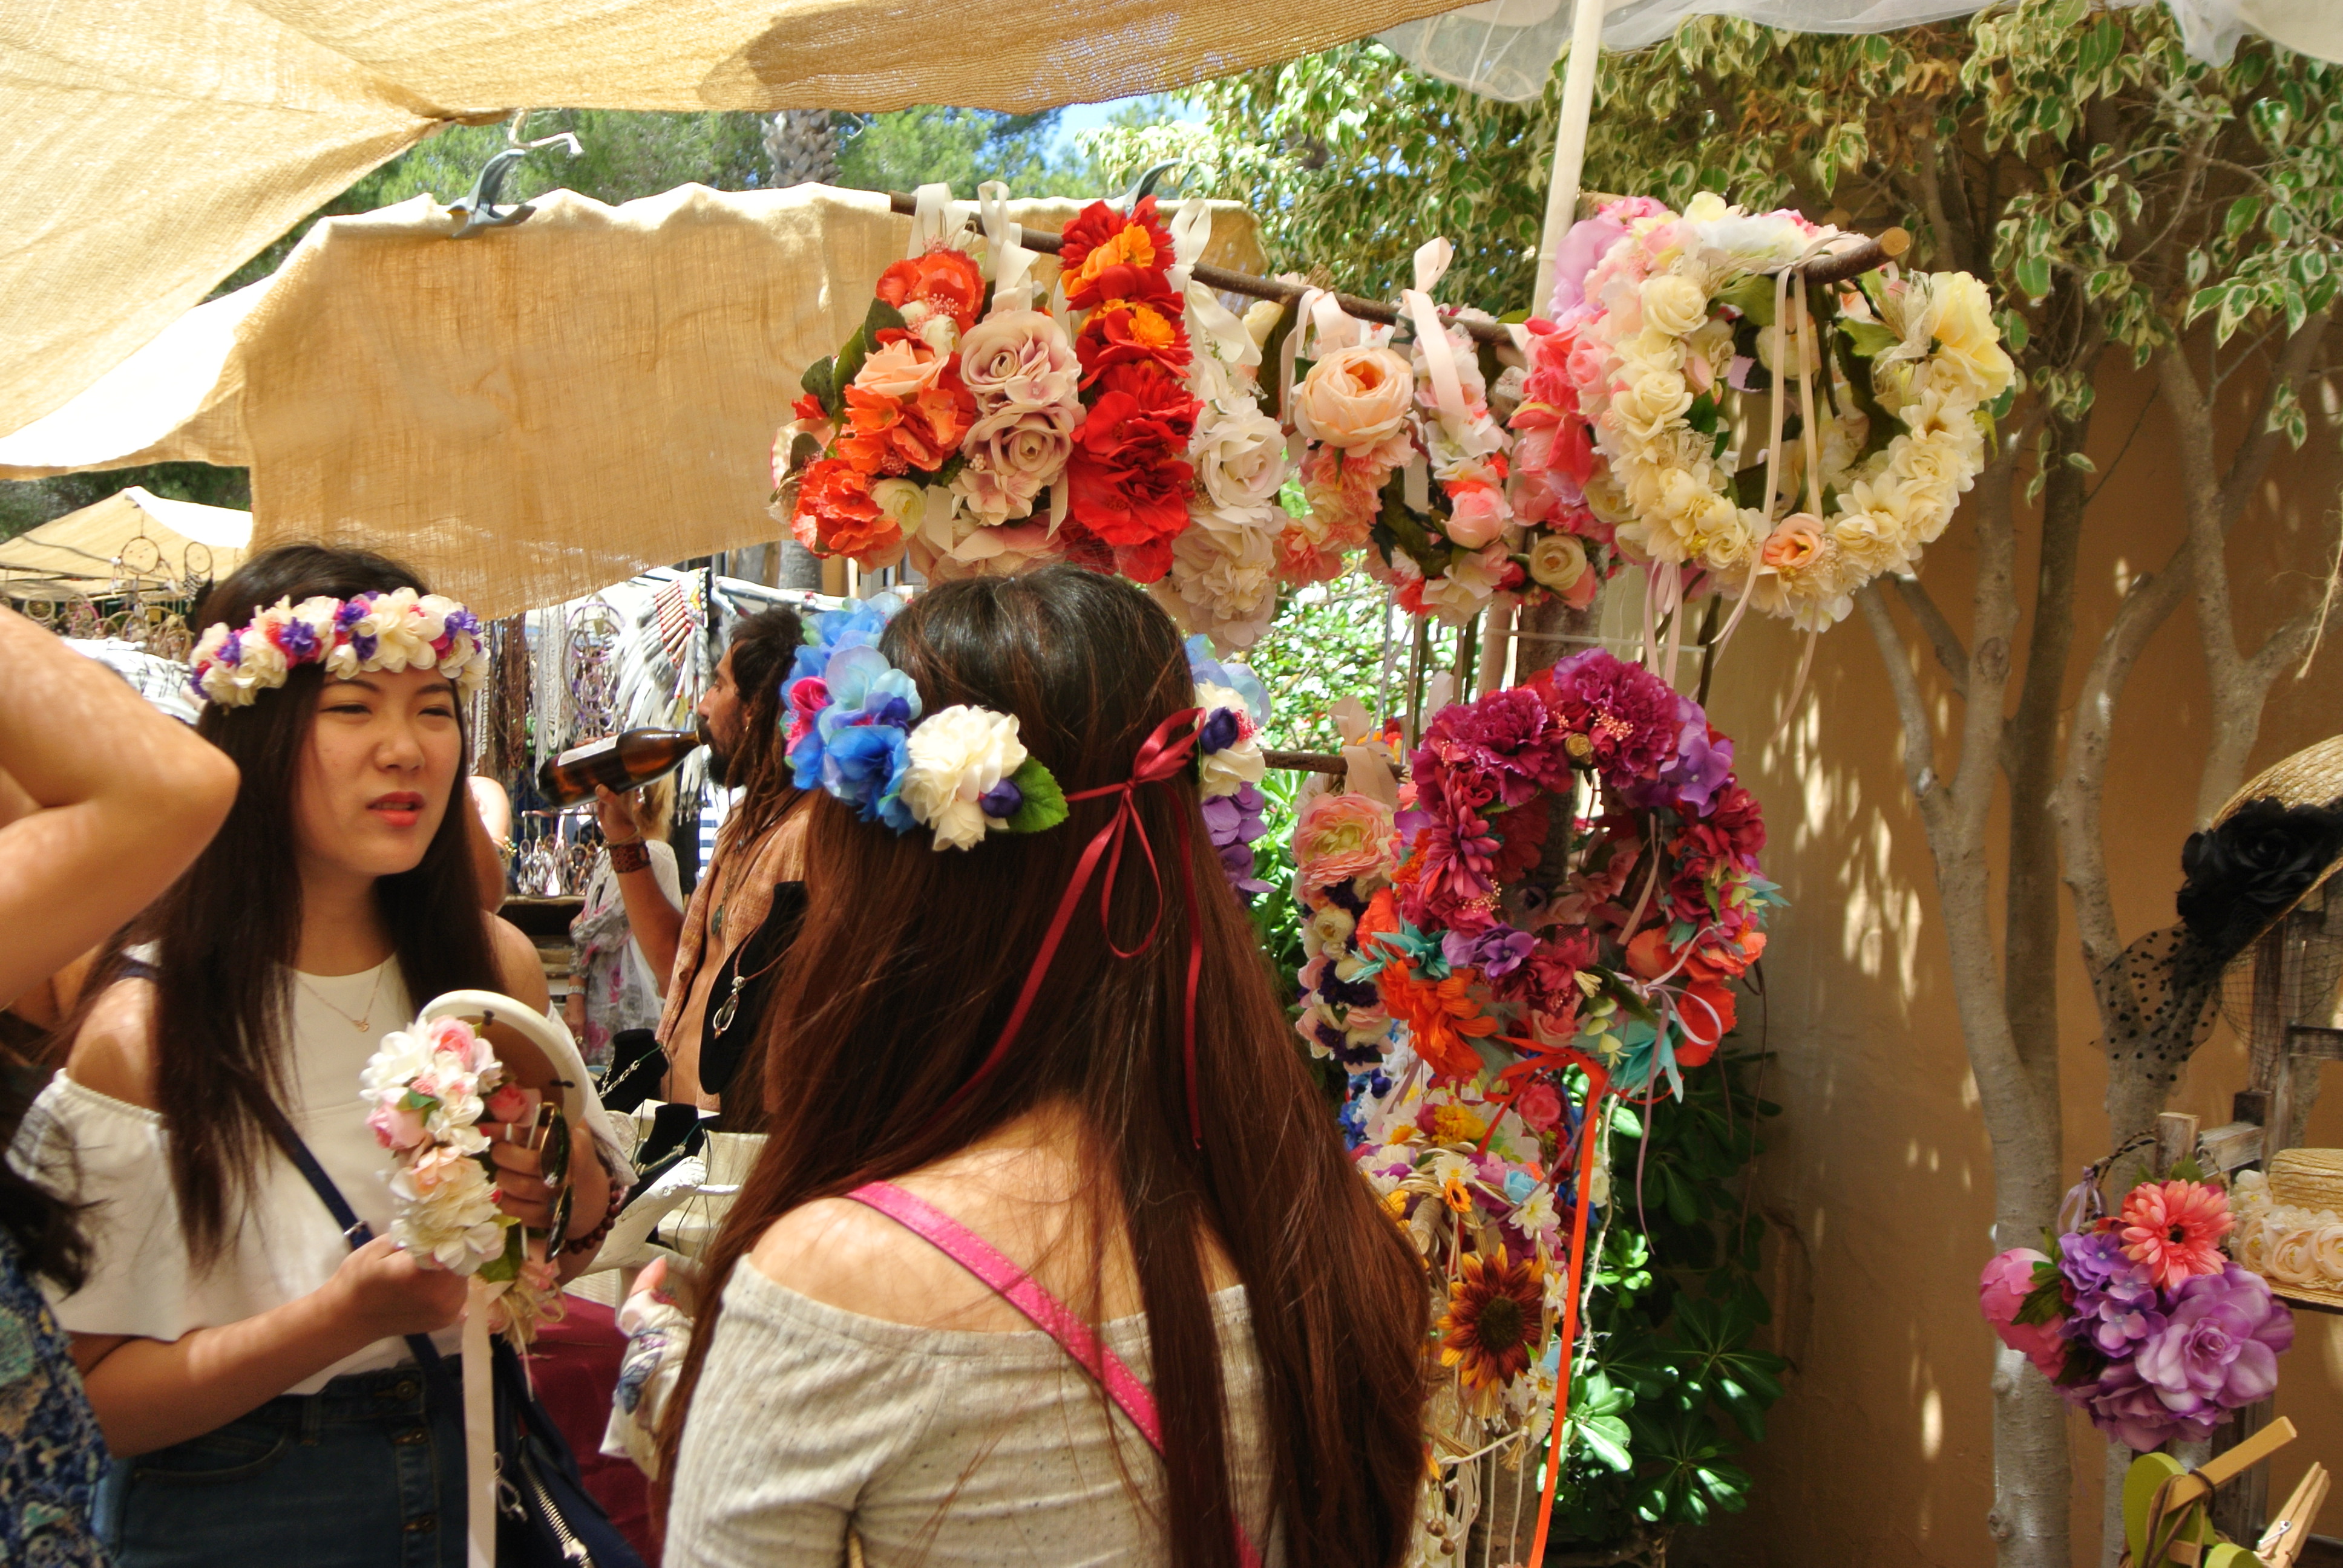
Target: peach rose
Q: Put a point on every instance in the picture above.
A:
(1341, 837)
(1477, 514)
(1796, 543)
(1354, 397)
(1019, 359)
(901, 369)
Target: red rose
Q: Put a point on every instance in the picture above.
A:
(1107, 255)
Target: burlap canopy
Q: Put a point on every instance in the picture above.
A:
(152, 147)
(528, 414)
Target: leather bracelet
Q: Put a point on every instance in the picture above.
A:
(632, 855)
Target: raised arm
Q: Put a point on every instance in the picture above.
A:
(653, 919)
(121, 799)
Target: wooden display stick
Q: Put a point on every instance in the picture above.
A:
(2201, 1482)
(2282, 1544)
(2176, 1139)
(1835, 267)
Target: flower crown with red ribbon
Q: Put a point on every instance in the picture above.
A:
(854, 728)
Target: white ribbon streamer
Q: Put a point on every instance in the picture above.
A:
(1011, 263)
(1221, 328)
(1432, 260)
(479, 1430)
(935, 219)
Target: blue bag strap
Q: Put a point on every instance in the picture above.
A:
(355, 1231)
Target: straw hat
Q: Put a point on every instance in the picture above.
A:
(2297, 1241)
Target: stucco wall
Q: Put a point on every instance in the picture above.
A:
(1878, 1177)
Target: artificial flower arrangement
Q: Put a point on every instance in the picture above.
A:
(1571, 877)
(396, 630)
(858, 730)
(425, 1090)
(2140, 1320)
(1642, 414)
(966, 430)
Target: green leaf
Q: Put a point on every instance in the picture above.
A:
(881, 317)
(820, 379)
(849, 365)
(1045, 803)
(1867, 339)
(2241, 215)
(2033, 273)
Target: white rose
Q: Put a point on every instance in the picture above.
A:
(1558, 562)
(954, 757)
(1674, 305)
(1240, 455)
(2294, 1259)
(1331, 927)
(1223, 576)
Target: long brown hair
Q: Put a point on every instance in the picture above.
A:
(762, 646)
(904, 975)
(229, 931)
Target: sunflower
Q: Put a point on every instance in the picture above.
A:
(1491, 1322)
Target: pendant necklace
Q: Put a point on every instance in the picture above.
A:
(364, 1014)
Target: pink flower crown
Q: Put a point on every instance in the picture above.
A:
(393, 631)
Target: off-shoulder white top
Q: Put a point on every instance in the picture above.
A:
(934, 1446)
(141, 1280)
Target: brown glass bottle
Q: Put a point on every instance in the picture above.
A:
(617, 763)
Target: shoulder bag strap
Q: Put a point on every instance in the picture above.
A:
(355, 1231)
(1051, 1315)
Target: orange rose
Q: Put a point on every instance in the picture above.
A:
(836, 517)
(946, 281)
(1355, 398)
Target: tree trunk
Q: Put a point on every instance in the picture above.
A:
(803, 146)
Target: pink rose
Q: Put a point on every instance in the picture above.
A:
(510, 1103)
(1796, 543)
(1012, 457)
(396, 1127)
(1342, 837)
(1477, 514)
(1020, 360)
(1539, 1106)
(2003, 1286)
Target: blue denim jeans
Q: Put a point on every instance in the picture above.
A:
(366, 1472)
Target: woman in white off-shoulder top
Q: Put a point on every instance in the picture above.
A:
(250, 1369)
(980, 1073)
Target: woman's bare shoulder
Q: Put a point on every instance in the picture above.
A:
(846, 1255)
(522, 971)
(113, 1050)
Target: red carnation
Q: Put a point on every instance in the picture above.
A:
(1129, 480)
(1107, 255)
(1131, 332)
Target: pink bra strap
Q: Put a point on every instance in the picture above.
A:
(1051, 1315)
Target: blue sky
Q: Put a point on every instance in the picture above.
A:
(1080, 117)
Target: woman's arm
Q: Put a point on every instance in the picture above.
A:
(655, 920)
(525, 1194)
(123, 800)
(150, 1394)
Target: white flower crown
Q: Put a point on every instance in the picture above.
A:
(392, 632)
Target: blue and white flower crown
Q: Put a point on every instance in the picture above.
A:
(856, 729)
(399, 630)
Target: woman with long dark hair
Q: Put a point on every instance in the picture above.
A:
(980, 1094)
(103, 800)
(248, 1367)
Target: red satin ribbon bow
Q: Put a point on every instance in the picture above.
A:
(1162, 756)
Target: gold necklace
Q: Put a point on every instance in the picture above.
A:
(367, 1013)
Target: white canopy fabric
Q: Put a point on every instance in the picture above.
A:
(130, 536)
(528, 414)
(152, 147)
(1506, 48)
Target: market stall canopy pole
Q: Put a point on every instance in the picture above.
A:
(153, 149)
(533, 412)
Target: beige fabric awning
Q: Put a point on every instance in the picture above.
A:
(524, 415)
(152, 147)
(129, 536)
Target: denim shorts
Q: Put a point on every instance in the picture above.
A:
(366, 1472)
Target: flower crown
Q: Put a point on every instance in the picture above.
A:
(856, 729)
(397, 630)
